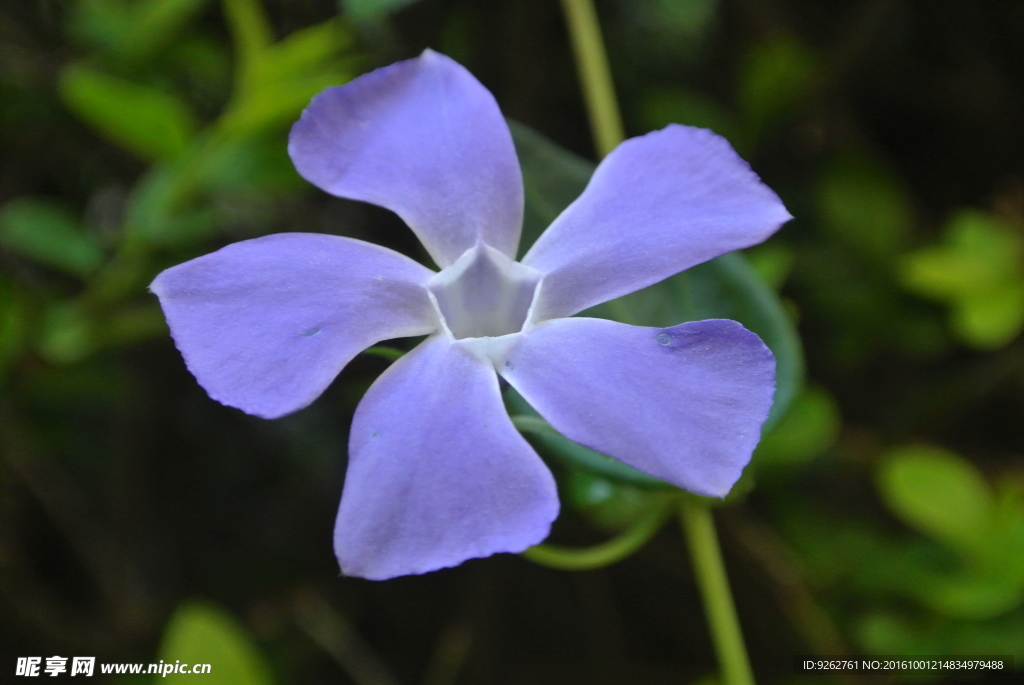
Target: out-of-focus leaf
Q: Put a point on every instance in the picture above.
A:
(68, 334)
(940, 494)
(990, 320)
(274, 81)
(255, 164)
(131, 30)
(48, 234)
(550, 441)
(250, 30)
(200, 633)
(970, 597)
(370, 10)
(162, 209)
(151, 123)
(304, 51)
(71, 333)
(552, 176)
(891, 633)
(611, 505)
(775, 76)
(773, 262)
(978, 271)
(809, 428)
(1009, 527)
(864, 206)
(278, 103)
(157, 21)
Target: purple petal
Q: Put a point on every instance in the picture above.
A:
(437, 474)
(265, 325)
(684, 404)
(657, 205)
(426, 140)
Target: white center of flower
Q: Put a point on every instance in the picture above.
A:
(484, 294)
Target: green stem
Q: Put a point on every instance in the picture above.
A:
(606, 122)
(595, 75)
(605, 554)
(723, 623)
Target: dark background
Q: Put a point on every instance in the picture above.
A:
(885, 126)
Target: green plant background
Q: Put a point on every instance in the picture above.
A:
(883, 512)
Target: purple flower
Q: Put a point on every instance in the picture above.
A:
(437, 473)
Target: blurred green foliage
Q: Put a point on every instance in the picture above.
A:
(46, 233)
(978, 271)
(947, 499)
(200, 633)
(883, 512)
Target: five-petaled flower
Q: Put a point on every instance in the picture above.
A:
(437, 473)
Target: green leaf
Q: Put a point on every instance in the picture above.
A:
(275, 81)
(250, 30)
(971, 597)
(978, 272)
(157, 21)
(151, 123)
(275, 104)
(552, 177)
(304, 51)
(67, 335)
(809, 429)
(773, 262)
(162, 211)
(46, 233)
(611, 504)
(200, 633)
(550, 441)
(940, 494)
(254, 164)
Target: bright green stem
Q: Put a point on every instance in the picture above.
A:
(605, 554)
(699, 527)
(596, 77)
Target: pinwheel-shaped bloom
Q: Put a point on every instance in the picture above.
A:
(437, 473)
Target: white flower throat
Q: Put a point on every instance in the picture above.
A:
(484, 294)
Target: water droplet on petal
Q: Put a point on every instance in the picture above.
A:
(663, 339)
(311, 332)
(509, 366)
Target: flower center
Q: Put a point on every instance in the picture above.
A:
(484, 294)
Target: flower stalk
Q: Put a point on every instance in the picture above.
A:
(595, 75)
(695, 515)
(699, 528)
(618, 548)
